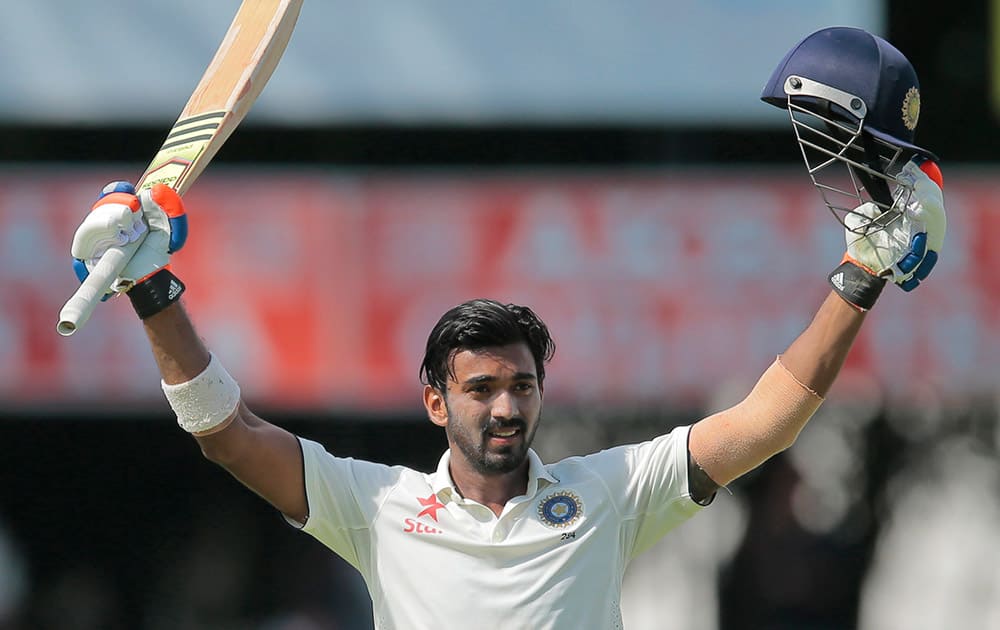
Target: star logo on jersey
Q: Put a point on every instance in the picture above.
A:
(431, 506)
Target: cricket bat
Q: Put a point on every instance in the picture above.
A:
(234, 79)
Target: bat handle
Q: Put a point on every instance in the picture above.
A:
(77, 310)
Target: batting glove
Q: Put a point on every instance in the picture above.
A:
(906, 250)
(156, 217)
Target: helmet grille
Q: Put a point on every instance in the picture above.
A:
(848, 166)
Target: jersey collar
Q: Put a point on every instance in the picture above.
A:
(538, 476)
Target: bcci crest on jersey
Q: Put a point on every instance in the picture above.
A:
(560, 509)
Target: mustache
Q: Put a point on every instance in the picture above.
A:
(514, 423)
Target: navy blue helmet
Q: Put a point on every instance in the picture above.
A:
(854, 102)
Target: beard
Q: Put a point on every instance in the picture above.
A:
(474, 445)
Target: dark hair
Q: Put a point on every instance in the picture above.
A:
(482, 323)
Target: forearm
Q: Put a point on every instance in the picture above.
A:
(182, 358)
(816, 356)
(179, 352)
(204, 396)
(264, 457)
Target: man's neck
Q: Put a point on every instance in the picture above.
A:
(493, 491)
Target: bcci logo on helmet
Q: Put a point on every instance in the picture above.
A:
(911, 108)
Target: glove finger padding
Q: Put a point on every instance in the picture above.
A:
(119, 217)
(114, 221)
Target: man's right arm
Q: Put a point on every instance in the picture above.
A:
(265, 458)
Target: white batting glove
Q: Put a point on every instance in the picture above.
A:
(907, 250)
(156, 217)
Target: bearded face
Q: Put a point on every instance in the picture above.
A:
(491, 408)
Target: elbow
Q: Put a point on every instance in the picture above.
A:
(224, 446)
(786, 440)
(213, 452)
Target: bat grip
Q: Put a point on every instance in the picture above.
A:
(77, 310)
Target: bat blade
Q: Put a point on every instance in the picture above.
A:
(244, 62)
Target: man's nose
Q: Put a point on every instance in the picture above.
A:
(504, 406)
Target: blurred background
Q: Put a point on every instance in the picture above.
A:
(608, 164)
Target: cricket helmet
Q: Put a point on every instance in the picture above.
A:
(854, 102)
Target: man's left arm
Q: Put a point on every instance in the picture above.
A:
(730, 443)
(735, 441)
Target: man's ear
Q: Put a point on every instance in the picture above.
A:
(437, 407)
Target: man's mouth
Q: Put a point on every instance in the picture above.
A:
(503, 434)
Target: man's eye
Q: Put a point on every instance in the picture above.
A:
(524, 387)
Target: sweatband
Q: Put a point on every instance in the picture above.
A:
(206, 401)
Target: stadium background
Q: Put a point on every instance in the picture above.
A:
(602, 163)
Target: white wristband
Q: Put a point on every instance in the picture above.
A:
(205, 401)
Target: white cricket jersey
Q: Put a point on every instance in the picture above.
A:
(553, 559)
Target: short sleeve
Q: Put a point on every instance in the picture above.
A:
(649, 484)
(343, 495)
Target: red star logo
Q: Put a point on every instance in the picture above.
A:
(431, 506)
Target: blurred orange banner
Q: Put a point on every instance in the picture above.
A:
(317, 290)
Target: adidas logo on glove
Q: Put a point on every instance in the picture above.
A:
(838, 280)
(174, 290)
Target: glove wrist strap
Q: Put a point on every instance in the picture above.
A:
(155, 293)
(857, 286)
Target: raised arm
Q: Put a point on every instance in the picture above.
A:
(735, 441)
(264, 457)
(732, 442)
